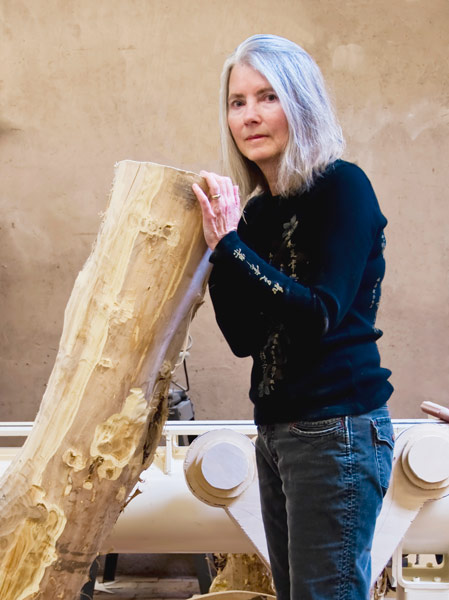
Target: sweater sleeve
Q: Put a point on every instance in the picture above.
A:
(346, 222)
(236, 301)
(236, 309)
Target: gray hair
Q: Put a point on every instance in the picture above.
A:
(315, 136)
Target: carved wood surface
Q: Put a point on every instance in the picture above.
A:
(105, 404)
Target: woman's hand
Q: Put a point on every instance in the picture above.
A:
(221, 210)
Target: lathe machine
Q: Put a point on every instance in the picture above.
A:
(203, 498)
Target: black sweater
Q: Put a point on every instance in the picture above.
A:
(297, 287)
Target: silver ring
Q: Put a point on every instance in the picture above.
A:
(216, 196)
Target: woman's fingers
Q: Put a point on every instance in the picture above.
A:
(220, 187)
(202, 199)
(236, 194)
(228, 188)
(220, 207)
(211, 234)
(212, 182)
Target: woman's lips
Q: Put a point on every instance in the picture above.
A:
(255, 137)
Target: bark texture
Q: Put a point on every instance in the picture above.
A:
(105, 404)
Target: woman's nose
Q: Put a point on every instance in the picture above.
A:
(251, 114)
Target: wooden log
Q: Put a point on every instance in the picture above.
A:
(106, 400)
(241, 572)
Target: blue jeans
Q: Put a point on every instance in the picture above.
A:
(321, 486)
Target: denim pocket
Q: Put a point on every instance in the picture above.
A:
(318, 428)
(383, 436)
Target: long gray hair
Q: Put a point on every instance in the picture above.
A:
(315, 136)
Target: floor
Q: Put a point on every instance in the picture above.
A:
(147, 588)
(166, 587)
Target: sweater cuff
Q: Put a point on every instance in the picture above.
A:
(224, 247)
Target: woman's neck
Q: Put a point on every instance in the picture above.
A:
(271, 172)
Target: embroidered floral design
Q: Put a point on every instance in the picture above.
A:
(375, 294)
(289, 228)
(254, 268)
(272, 362)
(273, 355)
(239, 254)
(288, 247)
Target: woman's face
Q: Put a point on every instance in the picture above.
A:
(256, 119)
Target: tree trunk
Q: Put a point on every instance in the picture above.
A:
(105, 404)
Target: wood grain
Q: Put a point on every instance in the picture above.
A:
(105, 404)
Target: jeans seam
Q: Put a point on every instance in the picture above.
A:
(343, 586)
(271, 444)
(380, 446)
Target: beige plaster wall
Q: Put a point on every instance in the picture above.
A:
(86, 83)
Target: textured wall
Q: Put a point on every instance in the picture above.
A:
(87, 83)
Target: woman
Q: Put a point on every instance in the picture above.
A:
(296, 285)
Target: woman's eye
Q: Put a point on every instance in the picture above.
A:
(271, 97)
(236, 104)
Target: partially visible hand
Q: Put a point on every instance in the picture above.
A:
(221, 210)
